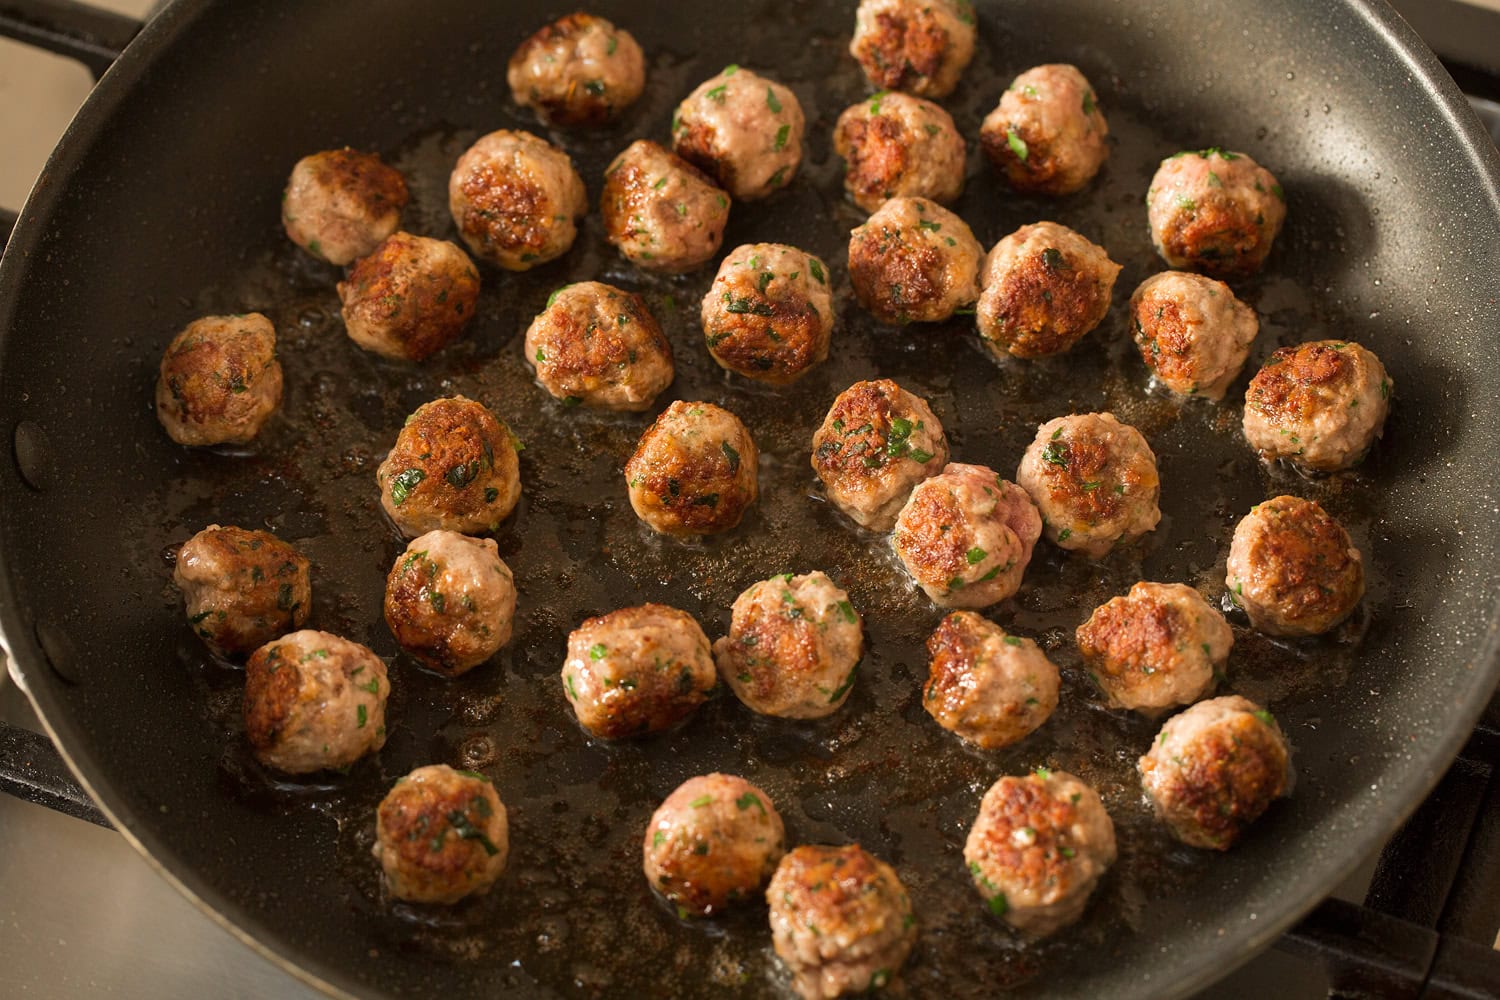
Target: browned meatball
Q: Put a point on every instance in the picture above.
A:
(516, 200)
(578, 70)
(1192, 332)
(1047, 135)
(693, 472)
(663, 213)
(895, 144)
(220, 380)
(340, 203)
(600, 346)
(991, 688)
(454, 466)
(450, 601)
(715, 841)
(1293, 568)
(1214, 211)
(441, 835)
(769, 313)
(410, 298)
(914, 261)
(744, 130)
(919, 46)
(242, 588)
(1045, 286)
(1320, 405)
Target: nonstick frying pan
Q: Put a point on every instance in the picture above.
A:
(161, 204)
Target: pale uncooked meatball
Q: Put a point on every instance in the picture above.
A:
(441, 835)
(1045, 287)
(769, 313)
(714, 842)
(1214, 769)
(1293, 568)
(578, 70)
(966, 536)
(1192, 332)
(242, 588)
(914, 261)
(793, 647)
(693, 472)
(875, 444)
(450, 601)
(1157, 647)
(840, 919)
(1319, 405)
(898, 145)
(1214, 211)
(1094, 480)
(410, 298)
(990, 688)
(1047, 134)
(637, 671)
(220, 380)
(919, 46)
(744, 130)
(339, 204)
(314, 701)
(1038, 848)
(454, 466)
(516, 200)
(660, 211)
(599, 345)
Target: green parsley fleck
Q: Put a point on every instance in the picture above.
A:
(975, 555)
(1017, 144)
(403, 483)
(598, 651)
(772, 102)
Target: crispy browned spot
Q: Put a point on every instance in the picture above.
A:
(876, 148)
(1036, 862)
(272, 686)
(1217, 235)
(423, 310)
(1214, 788)
(1291, 386)
(1302, 564)
(1128, 634)
(415, 817)
(1084, 483)
(1045, 307)
(362, 176)
(505, 212)
(891, 277)
(575, 106)
(457, 436)
(1164, 338)
(591, 345)
(933, 534)
(1041, 171)
(903, 50)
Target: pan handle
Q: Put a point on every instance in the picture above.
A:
(33, 770)
(92, 36)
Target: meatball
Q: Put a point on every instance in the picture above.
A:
(1158, 646)
(1192, 332)
(1213, 770)
(793, 647)
(897, 145)
(966, 536)
(914, 260)
(441, 835)
(1214, 211)
(1319, 405)
(637, 671)
(242, 588)
(1094, 480)
(744, 130)
(769, 313)
(600, 346)
(660, 211)
(578, 70)
(1293, 568)
(516, 199)
(450, 601)
(340, 204)
(990, 688)
(314, 701)
(876, 443)
(919, 46)
(1038, 848)
(1047, 133)
(713, 842)
(693, 472)
(220, 380)
(410, 298)
(454, 466)
(1044, 287)
(840, 919)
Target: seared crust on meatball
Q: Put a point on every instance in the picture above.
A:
(895, 144)
(1045, 286)
(242, 588)
(578, 70)
(914, 261)
(637, 671)
(793, 647)
(875, 444)
(1319, 405)
(220, 380)
(1214, 211)
(1038, 848)
(454, 466)
(441, 835)
(919, 46)
(450, 601)
(410, 298)
(314, 701)
(988, 687)
(660, 211)
(713, 842)
(744, 130)
(516, 199)
(340, 203)
(1192, 332)
(1293, 568)
(600, 346)
(1047, 134)
(1214, 769)
(693, 472)
(840, 919)
(769, 313)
